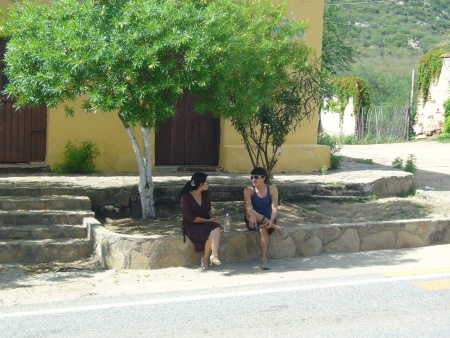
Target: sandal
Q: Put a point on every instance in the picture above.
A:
(204, 267)
(283, 233)
(215, 260)
(265, 266)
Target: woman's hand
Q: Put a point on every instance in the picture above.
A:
(214, 219)
(252, 220)
(269, 224)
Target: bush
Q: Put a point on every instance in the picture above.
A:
(397, 163)
(350, 139)
(410, 164)
(443, 137)
(331, 141)
(335, 161)
(78, 160)
(446, 128)
(328, 140)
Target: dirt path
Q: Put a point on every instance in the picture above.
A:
(433, 160)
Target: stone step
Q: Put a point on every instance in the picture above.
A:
(44, 251)
(40, 190)
(23, 217)
(55, 202)
(51, 231)
(22, 168)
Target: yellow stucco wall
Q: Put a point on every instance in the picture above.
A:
(105, 130)
(299, 154)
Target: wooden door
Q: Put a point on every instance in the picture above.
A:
(23, 132)
(188, 138)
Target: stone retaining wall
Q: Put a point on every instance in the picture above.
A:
(155, 252)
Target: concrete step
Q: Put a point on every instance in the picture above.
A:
(50, 231)
(55, 202)
(24, 168)
(24, 217)
(44, 250)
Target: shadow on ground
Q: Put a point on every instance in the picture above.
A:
(293, 214)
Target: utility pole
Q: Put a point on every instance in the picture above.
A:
(408, 117)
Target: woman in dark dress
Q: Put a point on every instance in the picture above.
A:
(199, 224)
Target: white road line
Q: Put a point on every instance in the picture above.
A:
(224, 295)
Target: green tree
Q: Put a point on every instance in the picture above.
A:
(134, 57)
(338, 52)
(272, 90)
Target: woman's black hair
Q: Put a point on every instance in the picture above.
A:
(261, 172)
(193, 184)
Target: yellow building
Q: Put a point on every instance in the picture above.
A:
(215, 141)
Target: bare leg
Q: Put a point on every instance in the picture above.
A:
(259, 218)
(283, 233)
(264, 245)
(215, 240)
(207, 251)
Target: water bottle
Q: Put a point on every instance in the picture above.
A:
(227, 225)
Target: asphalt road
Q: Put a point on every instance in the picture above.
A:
(391, 293)
(416, 305)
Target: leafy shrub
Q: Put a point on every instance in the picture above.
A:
(410, 164)
(335, 161)
(410, 192)
(324, 170)
(328, 140)
(349, 139)
(397, 163)
(446, 128)
(78, 160)
(444, 137)
(345, 87)
(429, 70)
(331, 141)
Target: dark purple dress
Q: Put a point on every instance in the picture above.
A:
(198, 233)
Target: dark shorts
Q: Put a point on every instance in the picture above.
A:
(252, 229)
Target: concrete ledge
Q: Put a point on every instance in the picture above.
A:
(117, 251)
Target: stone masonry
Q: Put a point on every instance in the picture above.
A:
(116, 251)
(113, 250)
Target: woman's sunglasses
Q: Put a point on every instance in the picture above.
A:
(255, 177)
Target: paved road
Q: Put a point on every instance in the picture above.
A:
(392, 293)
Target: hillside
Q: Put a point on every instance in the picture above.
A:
(391, 36)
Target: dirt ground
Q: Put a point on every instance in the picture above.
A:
(432, 197)
(297, 214)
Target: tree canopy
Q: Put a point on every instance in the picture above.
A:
(137, 57)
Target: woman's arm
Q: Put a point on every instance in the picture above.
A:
(274, 195)
(249, 212)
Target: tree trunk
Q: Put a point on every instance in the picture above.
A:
(145, 169)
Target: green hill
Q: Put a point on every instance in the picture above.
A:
(391, 36)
